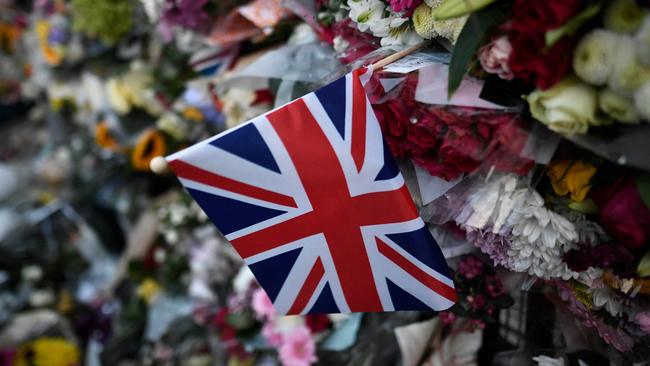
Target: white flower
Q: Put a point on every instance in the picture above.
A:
(539, 239)
(242, 281)
(594, 56)
(340, 44)
(32, 273)
(40, 298)
(387, 26)
(604, 298)
(366, 12)
(549, 361)
(618, 107)
(642, 101)
(627, 74)
(642, 39)
(407, 38)
(171, 236)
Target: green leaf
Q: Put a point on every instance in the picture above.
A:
(643, 186)
(588, 206)
(572, 25)
(467, 43)
(643, 269)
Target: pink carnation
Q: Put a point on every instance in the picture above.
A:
(262, 305)
(298, 348)
(494, 57)
(407, 6)
(272, 336)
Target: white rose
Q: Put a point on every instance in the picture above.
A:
(569, 107)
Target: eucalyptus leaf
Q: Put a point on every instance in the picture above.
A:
(572, 25)
(467, 43)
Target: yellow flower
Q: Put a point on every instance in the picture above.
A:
(51, 55)
(66, 302)
(571, 177)
(193, 114)
(48, 352)
(104, 138)
(148, 289)
(150, 144)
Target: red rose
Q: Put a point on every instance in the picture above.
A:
(530, 59)
(424, 135)
(623, 214)
(317, 323)
(444, 170)
(541, 16)
(394, 123)
(532, 63)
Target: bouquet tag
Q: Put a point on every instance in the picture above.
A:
(416, 61)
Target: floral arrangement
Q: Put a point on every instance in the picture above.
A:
(133, 272)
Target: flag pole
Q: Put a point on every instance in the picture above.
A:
(397, 55)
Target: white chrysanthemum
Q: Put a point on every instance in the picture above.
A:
(539, 239)
(594, 56)
(366, 12)
(618, 107)
(450, 29)
(628, 74)
(605, 298)
(642, 39)
(642, 101)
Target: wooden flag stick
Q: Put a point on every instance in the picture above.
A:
(396, 56)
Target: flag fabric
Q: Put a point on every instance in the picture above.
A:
(310, 197)
(213, 60)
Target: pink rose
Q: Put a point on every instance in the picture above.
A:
(494, 57)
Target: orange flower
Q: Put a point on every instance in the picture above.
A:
(104, 138)
(149, 145)
(571, 177)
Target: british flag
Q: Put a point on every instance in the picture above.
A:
(310, 197)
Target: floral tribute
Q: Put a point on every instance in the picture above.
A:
(519, 126)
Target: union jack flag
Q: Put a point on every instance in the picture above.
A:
(310, 197)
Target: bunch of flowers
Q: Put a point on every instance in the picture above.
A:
(481, 294)
(450, 141)
(394, 22)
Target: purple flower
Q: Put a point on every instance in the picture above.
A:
(494, 286)
(603, 256)
(188, 14)
(470, 267)
(643, 320)
(494, 245)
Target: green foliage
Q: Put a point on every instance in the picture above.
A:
(108, 20)
(465, 48)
